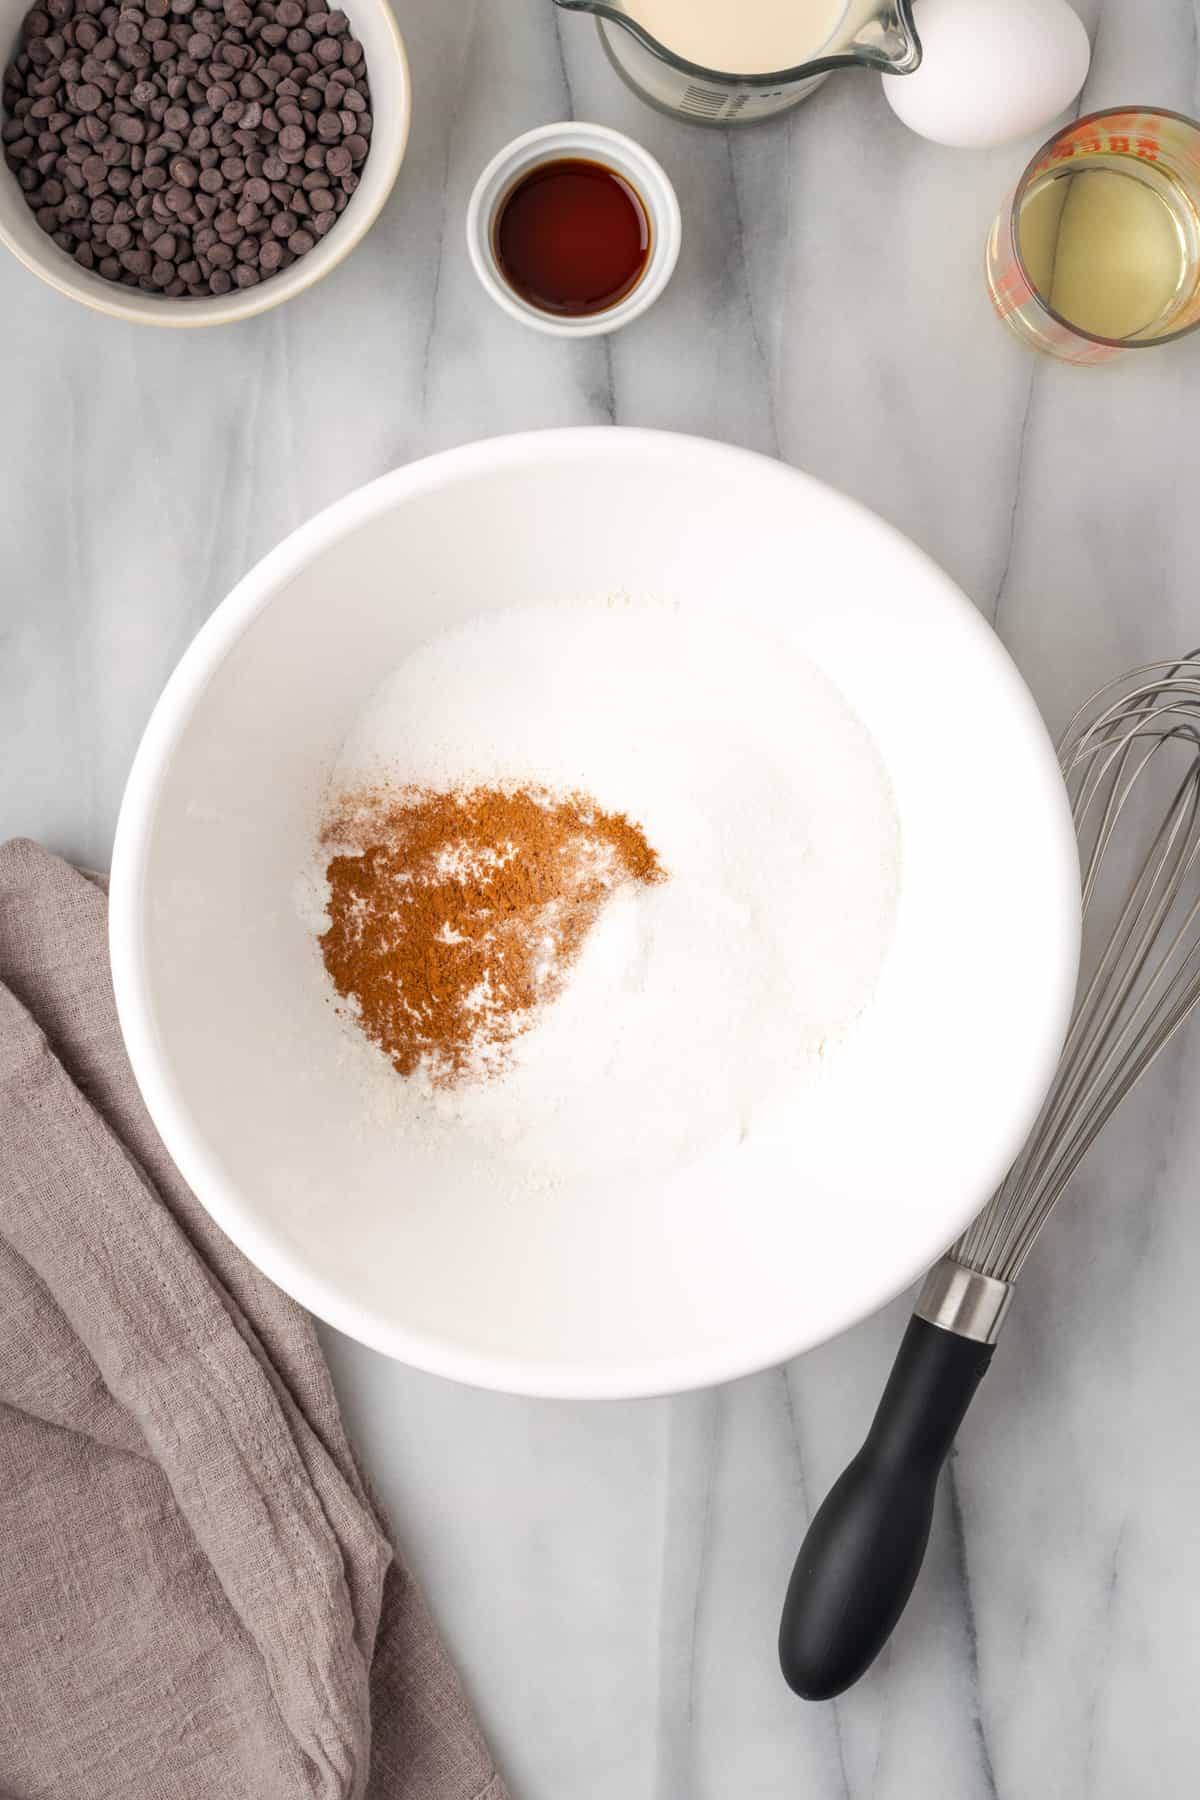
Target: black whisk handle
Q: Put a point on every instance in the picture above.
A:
(863, 1550)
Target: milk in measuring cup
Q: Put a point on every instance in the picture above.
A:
(730, 62)
(749, 37)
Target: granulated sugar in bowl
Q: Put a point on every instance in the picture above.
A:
(696, 1001)
(594, 913)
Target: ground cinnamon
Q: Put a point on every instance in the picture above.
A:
(454, 916)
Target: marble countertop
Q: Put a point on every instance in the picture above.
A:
(609, 1576)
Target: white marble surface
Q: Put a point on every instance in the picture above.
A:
(610, 1576)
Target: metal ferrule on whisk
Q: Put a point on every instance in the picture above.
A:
(964, 1301)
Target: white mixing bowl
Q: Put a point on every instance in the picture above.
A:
(391, 111)
(740, 1262)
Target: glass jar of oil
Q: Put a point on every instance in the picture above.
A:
(1098, 250)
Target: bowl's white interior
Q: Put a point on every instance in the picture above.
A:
(733, 1265)
(391, 106)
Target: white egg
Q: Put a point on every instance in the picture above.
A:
(993, 71)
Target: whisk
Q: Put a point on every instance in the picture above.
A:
(1131, 761)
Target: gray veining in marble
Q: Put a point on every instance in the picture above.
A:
(609, 1576)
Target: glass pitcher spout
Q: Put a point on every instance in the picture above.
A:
(887, 40)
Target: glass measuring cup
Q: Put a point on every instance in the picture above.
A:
(1084, 269)
(878, 34)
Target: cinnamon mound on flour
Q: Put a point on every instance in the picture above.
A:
(454, 916)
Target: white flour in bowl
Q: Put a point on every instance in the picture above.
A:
(696, 1006)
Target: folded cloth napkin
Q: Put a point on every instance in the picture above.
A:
(198, 1599)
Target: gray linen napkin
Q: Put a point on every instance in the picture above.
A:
(198, 1599)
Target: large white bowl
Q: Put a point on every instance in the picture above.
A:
(391, 112)
(759, 1254)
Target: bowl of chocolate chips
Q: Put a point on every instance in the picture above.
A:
(193, 162)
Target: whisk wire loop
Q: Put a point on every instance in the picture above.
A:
(1131, 761)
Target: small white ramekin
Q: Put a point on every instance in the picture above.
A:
(596, 143)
